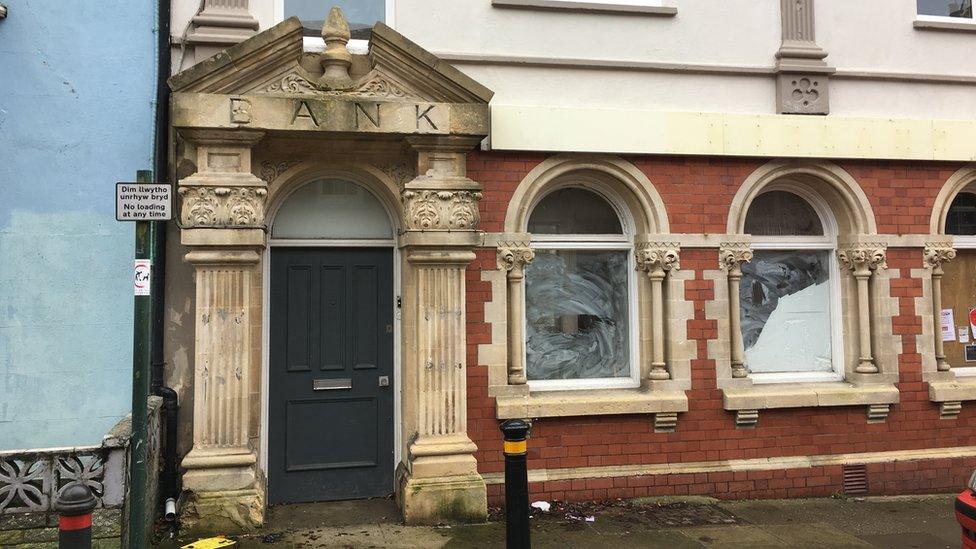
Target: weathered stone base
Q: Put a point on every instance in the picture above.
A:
(233, 511)
(461, 498)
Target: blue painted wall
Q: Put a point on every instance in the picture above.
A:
(77, 83)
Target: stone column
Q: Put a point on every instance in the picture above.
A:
(220, 24)
(513, 257)
(439, 481)
(222, 217)
(657, 259)
(934, 255)
(731, 258)
(802, 75)
(863, 260)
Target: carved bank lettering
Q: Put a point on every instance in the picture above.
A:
(302, 110)
(363, 111)
(425, 115)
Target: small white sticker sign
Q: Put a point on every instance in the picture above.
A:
(948, 325)
(142, 277)
(963, 334)
(143, 201)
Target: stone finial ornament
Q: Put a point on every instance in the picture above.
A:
(336, 59)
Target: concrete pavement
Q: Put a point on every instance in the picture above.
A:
(913, 522)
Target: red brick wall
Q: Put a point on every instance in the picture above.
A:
(697, 193)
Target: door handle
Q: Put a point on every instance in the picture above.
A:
(331, 384)
(384, 381)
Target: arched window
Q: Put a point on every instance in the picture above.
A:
(956, 289)
(789, 294)
(961, 218)
(580, 309)
(332, 209)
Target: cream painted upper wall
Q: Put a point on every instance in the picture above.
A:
(700, 33)
(879, 35)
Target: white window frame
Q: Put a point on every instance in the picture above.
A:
(828, 243)
(617, 242)
(316, 44)
(944, 18)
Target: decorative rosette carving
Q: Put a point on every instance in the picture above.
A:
(441, 210)
(657, 257)
(205, 206)
(731, 255)
(864, 258)
(936, 253)
(292, 84)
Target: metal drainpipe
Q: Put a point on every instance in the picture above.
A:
(170, 476)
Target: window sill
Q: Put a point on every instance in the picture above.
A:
(958, 390)
(583, 6)
(590, 403)
(808, 395)
(921, 24)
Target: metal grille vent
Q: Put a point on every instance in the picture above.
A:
(855, 480)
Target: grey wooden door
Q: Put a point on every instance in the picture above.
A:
(331, 374)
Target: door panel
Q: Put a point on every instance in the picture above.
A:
(331, 424)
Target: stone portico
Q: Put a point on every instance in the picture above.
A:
(252, 124)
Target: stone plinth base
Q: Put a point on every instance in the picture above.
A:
(231, 511)
(461, 498)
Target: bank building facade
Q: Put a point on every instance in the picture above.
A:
(700, 262)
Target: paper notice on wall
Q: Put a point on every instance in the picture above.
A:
(963, 334)
(948, 326)
(142, 277)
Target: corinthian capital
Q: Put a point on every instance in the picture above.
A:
(731, 255)
(514, 256)
(864, 258)
(657, 257)
(937, 253)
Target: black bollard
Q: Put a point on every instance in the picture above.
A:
(516, 484)
(75, 505)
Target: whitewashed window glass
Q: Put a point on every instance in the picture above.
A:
(334, 209)
(957, 9)
(787, 294)
(579, 306)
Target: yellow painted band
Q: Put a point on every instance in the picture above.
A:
(517, 447)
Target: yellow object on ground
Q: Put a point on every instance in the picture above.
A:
(210, 543)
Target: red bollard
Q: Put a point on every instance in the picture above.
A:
(75, 504)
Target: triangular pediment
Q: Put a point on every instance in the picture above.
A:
(273, 63)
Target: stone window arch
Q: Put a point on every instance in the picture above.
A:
(538, 244)
(834, 253)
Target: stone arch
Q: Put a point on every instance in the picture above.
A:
(612, 175)
(958, 182)
(839, 190)
(370, 177)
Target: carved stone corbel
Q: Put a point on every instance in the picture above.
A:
(934, 255)
(513, 257)
(665, 422)
(863, 260)
(657, 259)
(950, 409)
(731, 256)
(801, 72)
(746, 419)
(878, 413)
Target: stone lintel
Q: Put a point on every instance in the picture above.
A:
(590, 403)
(959, 389)
(232, 237)
(202, 112)
(803, 395)
(222, 257)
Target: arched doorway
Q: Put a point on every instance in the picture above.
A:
(331, 360)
